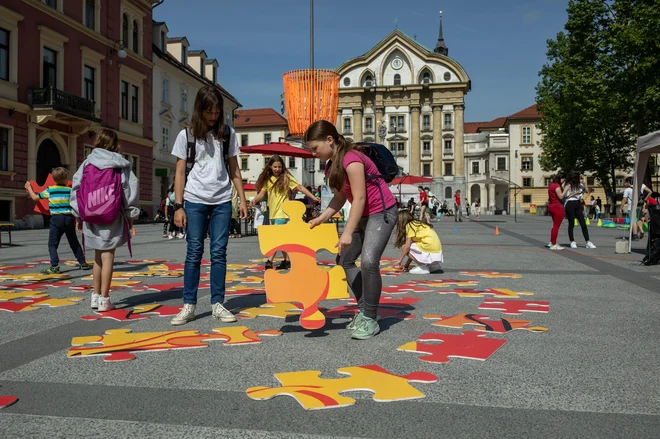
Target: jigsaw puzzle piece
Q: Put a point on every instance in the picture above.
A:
(483, 323)
(350, 311)
(38, 285)
(243, 290)
(158, 309)
(313, 392)
(120, 315)
(471, 345)
(493, 292)
(31, 276)
(441, 283)
(405, 288)
(515, 307)
(6, 401)
(491, 274)
(387, 301)
(6, 295)
(35, 304)
(279, 310)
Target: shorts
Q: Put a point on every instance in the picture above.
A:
(424, 257)
(425, 204)
(279, 221)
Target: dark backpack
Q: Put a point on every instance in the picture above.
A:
(382, 158)
(192, 149)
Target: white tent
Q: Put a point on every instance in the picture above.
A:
(646, 145)
(405, 191)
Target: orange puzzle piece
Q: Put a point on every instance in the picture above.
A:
(305, 283)
(41, 206)
(483, 323)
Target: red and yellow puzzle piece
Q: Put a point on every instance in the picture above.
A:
(119, 344)
(491, 274)
(469, 344)
(137, 313)
(515, 307)
(6, 295)
(482, 323)
(305, 283)
(39, 302)
(313, 392)
(279, 310)
(503, 293)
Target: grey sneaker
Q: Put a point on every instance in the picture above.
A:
(355, 320)
(187, 314)
(223, 314)
(365, 329)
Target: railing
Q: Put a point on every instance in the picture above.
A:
(52, 98)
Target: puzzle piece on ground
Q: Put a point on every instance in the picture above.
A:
(119, 344)
(491, 274)
(137, 313)
(16, 267)
(6, 295)
(406, 288)
(386, 301)
(305, 282)
(235, 277)
(114, 285)
(483, 323)
(6, 401)
(243, 267)
(350, 311)
(159, 287)
(38, 285)
(313, 392)
(35, 304)
(158, 309)
(243, 290)
(494, 292)
(147, 261)
(31, 276)
(280, 310)
(441, 283)
(469, 344)
(515, 307)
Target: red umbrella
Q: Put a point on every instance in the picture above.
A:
(283, 149)
(411, 179)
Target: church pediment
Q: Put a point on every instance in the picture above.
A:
(397, 138)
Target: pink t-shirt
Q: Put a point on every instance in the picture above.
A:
(374, 201)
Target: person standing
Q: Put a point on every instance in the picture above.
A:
(573, 207)
(477, 208)
(424, 203)
(203, 199)
(458, 213)
(556, 208)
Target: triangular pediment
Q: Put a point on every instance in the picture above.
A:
(397, 138)
(166, 114)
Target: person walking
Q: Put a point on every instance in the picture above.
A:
(458, 213)
(573, 207)
(203, 198)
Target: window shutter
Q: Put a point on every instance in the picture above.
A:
(531, 182)
(531, 163)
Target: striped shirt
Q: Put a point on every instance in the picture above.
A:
(58, 199)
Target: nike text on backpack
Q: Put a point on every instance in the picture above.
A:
(100, 195)
(192, 149)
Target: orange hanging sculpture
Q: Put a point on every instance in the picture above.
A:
(310, 95)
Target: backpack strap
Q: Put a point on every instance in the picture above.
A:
(373, 177)
(191, 152)
(226, 138)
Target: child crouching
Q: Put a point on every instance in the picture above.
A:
(418, 242)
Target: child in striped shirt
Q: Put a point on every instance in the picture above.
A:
(62, 221)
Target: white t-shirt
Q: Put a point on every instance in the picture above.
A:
(208, 181)
(575, 194)
(628, 194)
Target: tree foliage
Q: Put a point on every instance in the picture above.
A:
(600, 86)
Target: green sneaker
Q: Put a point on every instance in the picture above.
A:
(365, 329)
(84, 266)
(55, 269)
(354, 321)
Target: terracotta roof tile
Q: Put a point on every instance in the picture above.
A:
(528, 113)
(259, 117)
(475, 127)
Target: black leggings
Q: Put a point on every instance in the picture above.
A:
(574, 210)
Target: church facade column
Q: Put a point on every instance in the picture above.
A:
(437, 141)
(415, 164)
(491, 197)
(357, 124)
(458, 141)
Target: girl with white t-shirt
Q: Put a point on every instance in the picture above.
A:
(203, 200)
(573, 208)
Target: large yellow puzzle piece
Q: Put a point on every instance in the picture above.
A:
(119, 344)
(280, 310)
(491, 274)
(6, 295)
(32, 276)
(305, 283)
(313, 392)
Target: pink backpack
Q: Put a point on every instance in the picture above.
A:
(100, 195)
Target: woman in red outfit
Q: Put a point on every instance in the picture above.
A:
(556, 208)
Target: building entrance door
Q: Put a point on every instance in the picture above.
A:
(48, 157)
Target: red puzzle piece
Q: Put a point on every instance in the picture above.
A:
(483, 323)
(120, 315)
(469, 344)
(405, 288)
(6, 401)
(41, 206)
(387, 301)
(160, 310)
(515, 307)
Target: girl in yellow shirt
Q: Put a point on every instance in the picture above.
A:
(276, 182)
(418, 242)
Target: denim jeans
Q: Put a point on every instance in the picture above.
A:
(63, 225)
(216, 218)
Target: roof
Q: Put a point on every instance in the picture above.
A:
(476, 127)
(259, 117)
(528, 113)
(196, 52)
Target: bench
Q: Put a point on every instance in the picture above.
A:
(6, 227)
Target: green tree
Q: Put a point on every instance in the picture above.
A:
(579, 98)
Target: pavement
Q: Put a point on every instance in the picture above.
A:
(593, 374)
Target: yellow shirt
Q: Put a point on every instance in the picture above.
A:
(276, 199)
(425, 238)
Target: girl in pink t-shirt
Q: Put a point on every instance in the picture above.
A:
(370, 222)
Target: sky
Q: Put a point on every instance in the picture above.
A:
(500, 44)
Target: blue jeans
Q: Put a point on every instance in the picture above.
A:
(62, 224)
(216, 218)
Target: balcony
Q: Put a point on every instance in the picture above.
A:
(58, 100)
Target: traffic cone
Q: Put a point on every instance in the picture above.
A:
(497, 230)
(587, 221)
(133, 231)
(600, 223)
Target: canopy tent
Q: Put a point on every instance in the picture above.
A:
(404, 190)
(411, 179)
(281, 148)
(646, 145)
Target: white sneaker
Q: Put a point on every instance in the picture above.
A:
(590, 245)
(180, 235)
(223, 314)
(556, 247)
(95, 300)
(171, 236)
(420, 269)
(105, 304)
(187, 314)
(549, 245)
(573, 244)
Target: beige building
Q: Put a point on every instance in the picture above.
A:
(410, 99)
(178, 74)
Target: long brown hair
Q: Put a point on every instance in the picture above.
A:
(404, 218)
(207, 97)
(282, 183)
(107, 139)
(320, 130)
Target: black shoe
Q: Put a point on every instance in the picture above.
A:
(269, 265)
(84, 266)
(460, 220)
(284, 265)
